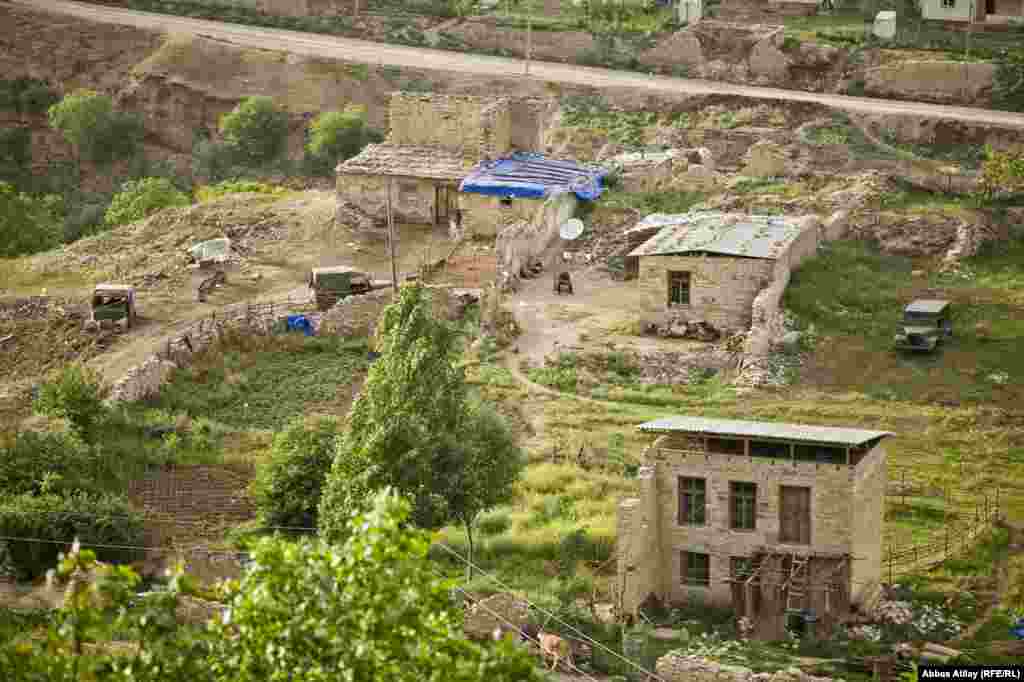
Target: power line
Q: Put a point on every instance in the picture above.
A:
(552, 616)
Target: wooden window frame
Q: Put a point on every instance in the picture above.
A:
(696, 575)
(674, 275)
(742, 505)
(693, 496)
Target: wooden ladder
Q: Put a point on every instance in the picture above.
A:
(796, 583)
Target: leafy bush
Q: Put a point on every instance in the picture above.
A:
(1008, 90)
(15, 153)
(53, 519)
(336, 136)
(27, 224)
(75, 394)
(139, 199)
(226, 187)
(87, 120)
(82, 219)
(26, 95)
(287, 488)
(256, 128)
(48, 460)
(213, 161)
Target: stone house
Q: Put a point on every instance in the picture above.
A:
(780, 522)
(709, 266)
(516, 188)
(433, 142)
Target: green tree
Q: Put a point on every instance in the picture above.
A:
(75, 394)
(1008, 88)
(1002, 172)
(139, 199)
(287, 488)
(370, 609)
(88, 121)
(481, 472)
(27, 224)
(15, 154)
(409, 415)
(338, 135)
(257, 129)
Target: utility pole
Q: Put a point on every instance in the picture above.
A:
(391, 244)
(529, 35)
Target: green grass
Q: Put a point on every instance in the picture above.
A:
(262, 387)
(675, 201)
(857, 321)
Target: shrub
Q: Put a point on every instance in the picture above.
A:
(287, 488)
(87, 120)
(38, 461)
(82, 219)
(139, 199)
(27, 224)
(256, 128)
(15, 153)
(226, 187)
(336, 136)
(26, 95)
(53, 519)
(75, 394)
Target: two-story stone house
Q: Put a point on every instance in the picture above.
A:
(773, 520)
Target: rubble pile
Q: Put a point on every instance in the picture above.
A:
(348, 213)
(500, 609)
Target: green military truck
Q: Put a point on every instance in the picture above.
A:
(331, 285)
(926, 323)
(113, 303)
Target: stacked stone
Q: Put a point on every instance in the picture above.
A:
(677, 667)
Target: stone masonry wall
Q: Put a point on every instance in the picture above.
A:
(453, 122)
(523, 241)
(639, 557)
(870, 479)
(721, 289)
(832, 511)
(413, 200)
(351, 316)
(486, 216)
(677, 667)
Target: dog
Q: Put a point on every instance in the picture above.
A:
(557, 649)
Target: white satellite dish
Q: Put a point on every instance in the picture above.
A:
(571, 229)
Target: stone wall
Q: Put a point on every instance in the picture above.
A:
(677, 667)
(523, 241)
(413, 200)
(640, 563)
(351, 316)
(722, 289)
(486, 216)
(869, 486)
(464, 124)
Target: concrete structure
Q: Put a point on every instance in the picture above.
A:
(963, 11)
(433, 142)
(773, 520)
(710, 266)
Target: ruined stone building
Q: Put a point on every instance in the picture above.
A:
(780, 522)
(433, 142)
(709, 266)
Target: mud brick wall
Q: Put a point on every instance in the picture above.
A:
(870, 480)
(722, 289)
(452, 122)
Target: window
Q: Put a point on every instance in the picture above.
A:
(822, 454)
(948, 4)
(743, 503)
(741, 567)
(795, 515)
(725, 446)
(692, 496)
(772, 449)
(696, 569)
(678, 288)
(506, 201)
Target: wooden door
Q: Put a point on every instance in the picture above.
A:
(441, 200)
(795, 515)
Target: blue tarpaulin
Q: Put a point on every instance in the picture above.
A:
(300, 323)
(532, 176)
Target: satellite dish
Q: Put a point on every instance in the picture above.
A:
(571, 229)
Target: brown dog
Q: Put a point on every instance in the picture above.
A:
(555, 648)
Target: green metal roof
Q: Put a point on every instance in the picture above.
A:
(924, 305)
(792, 432)
(729, 234)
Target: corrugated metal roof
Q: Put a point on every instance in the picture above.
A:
(729, 234)
(926, 305)
(532, 176)
(794, 432)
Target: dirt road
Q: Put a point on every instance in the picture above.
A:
(312, 44)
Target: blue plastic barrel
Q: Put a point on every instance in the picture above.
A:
(300, 323)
